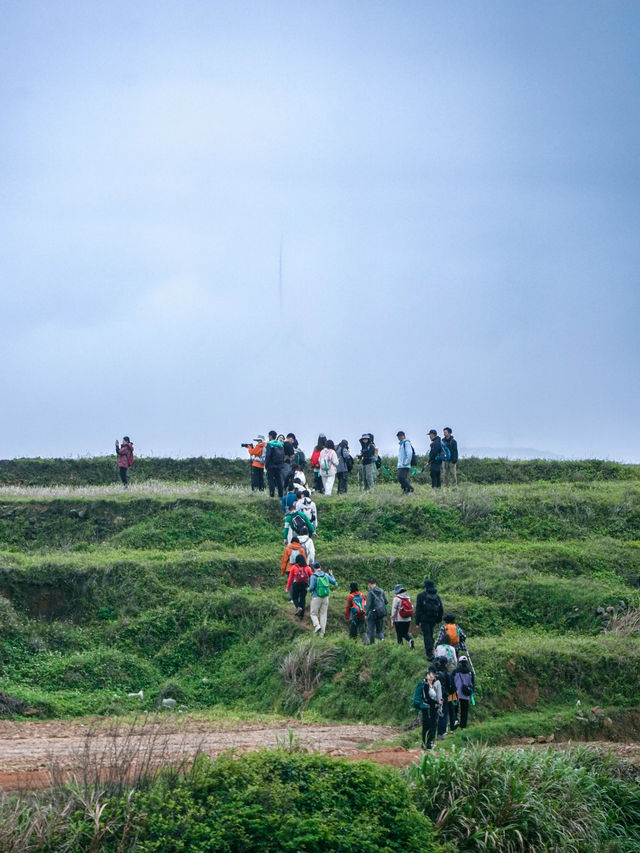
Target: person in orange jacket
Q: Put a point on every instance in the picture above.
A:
(293, 547)
(256, 452)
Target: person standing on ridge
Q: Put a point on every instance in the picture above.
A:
(405, 456)
(450, 474)
(273, 462)
(435, 459)
(375, 610)
(256, 452)
(367, 460)
(125, 459)
(345, 464)
(328, 466)
(429, 613)
(314, 462)
(320, 586)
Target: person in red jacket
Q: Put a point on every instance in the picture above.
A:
(125, 459)
(298, 584)
(354, 614)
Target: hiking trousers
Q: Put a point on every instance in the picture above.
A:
(299, 596)
(427, 635)
(124, 475)
(368, 475)
(436, 475)
(403, 479)
(464, 712)
(275, 481)
(343, 482)
(319, 609)
(429, 723)
(358, 628)
(402, 631)
(375, 625)
(327, 483)
(450, 475)
(257, 479)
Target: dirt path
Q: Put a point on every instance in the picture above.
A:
(33, 753)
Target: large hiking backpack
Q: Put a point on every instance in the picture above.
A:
(276, 457)
(449, 653)
(465, 680)
(451, 633)
(445, 454)
(418, 696)
(357, 607)
(378, 602)
(298, 524)
(431, 606)
(405, 611)
(299, 458)
(309, 511)
(322, 586)
(300, 574)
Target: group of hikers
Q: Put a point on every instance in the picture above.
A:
(444, 695)
(284, 462)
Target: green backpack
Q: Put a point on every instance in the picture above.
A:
(322, 586)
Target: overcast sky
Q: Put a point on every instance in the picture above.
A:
(451, 191)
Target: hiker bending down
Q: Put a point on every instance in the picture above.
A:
(297, 524)
(465, 683)
(401, 613)
(375, 610)
(320, 586)
(354, 614)
(427, 698)
(125, 459)
(428, 613)
(452, 635)
(298, 583)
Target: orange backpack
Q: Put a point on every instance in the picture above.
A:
(451, 633)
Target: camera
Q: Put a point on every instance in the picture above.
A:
(246, 445)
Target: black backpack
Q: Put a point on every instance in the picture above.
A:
(299, 458)
(299, 525)
(276, 457)
(431, 606)
(414, 458)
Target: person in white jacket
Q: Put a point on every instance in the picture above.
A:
(328, 466)
(401, 610)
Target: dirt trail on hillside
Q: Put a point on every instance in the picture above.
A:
(34, 753)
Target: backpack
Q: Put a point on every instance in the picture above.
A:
(414, 457)
(405, 611)
(418, 696)
(309, 511)
(322, 586)
(444, 455)
(348, 460)
(300, 574)
(357, 607)
(299, 458)
(130, 457)
(276, 456)
(298, 525)
(378, 462)
(451, 633)
(315, 459)
(432, 605)
(377, 598)
(448, 652)
(466, 685)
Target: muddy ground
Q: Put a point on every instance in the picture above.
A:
(34, 754)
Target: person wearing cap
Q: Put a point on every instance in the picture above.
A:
(429, 612)
(367, 460)
(256, 452)
(405, 455)
(450, 474)
(435, 459)
(399, 620)
(320, 585)
(465, 682)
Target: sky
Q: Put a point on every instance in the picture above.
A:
(221, 218)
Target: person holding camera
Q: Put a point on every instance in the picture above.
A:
(256, 452)
(124, 453)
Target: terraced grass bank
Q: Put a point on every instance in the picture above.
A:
(175, 590)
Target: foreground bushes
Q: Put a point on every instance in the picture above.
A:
(474, 799)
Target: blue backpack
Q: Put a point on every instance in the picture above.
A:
(445, 453)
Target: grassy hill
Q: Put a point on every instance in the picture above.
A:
(174, 588)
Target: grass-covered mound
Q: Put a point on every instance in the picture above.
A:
(468, 800)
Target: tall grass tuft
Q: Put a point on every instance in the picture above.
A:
(303, 668)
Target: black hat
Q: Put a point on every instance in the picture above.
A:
(433, 432)
(400, 432)
(430, 585)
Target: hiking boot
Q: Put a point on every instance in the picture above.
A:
(411, 643)
(317, 630)
(300, 612)
(456, 724)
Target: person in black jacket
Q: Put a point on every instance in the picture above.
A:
(449, 708)
(429, 612)
(435, 459)
(273, 462)
(450, 475)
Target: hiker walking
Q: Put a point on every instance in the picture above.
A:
(449, 711)
(328, 466)
(291, 551)
(289, 500)
(429, 612)
(273, 462)
(314, 462)
(320, 585)
(367, 459)
(124, 453)
(465, 682)
(436, 457)
(375, 610)
(345, 464)
(297, 524)
(427, 698)
(308, 507)
(405, 459)
(298, 583)
(450, 474)
(256, 452)
(451, 634)
(401, 613)
(354, 614)
(292, 456)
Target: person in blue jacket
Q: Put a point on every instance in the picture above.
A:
(405, 454)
